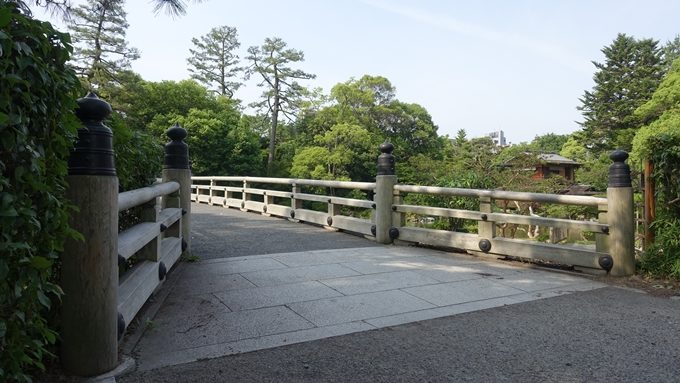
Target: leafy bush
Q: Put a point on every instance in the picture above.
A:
(659, 142)
(37, 97)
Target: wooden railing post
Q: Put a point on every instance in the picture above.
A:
(384, 189)
(333, 209)
(176, 167)
(486, 229)
(152, 250)
(210, 191)
(89, 271)
(245, 197)
(295, 203)
(621, 217)
(602, 239)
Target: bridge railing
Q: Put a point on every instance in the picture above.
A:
(288, 199)
(486, 239)
(101, 295)
(613, 250)
(155, 243)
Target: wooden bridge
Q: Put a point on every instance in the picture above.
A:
(102, 296)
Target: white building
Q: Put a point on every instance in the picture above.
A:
(498, 138)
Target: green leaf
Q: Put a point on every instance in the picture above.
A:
(44, 300)
(5, 17)
(40, 263)
(3, 329)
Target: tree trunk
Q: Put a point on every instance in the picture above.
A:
(272, 129)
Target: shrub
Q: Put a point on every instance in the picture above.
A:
(37, 97)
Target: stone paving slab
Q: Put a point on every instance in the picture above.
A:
(378, 282)
(257, 297)
(351, 308)
(225, 306)
(298, 274)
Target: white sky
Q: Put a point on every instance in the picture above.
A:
(519, 65)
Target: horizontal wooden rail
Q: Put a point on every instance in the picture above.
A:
(292, 181)
(132, 198)
(504, 195)
(504, 218)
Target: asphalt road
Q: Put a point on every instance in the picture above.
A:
(605, 335)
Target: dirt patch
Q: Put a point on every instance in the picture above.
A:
(665, 288)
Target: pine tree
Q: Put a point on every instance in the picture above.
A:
(101, 51)
(631, 72)
(283, 94)
(213, 62)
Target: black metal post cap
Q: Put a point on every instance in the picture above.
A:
(618, 155)
(176, 151)
(92, 154)
(176, 133)
(619, 171)
(386, 147)
(92, 108)
(386, 160)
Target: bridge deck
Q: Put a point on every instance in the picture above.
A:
(264, 282)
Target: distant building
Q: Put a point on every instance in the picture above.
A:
(554, 164)
(544, 165)
(498, 138)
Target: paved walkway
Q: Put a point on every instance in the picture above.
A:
(248, 301)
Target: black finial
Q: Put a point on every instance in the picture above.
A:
(386, 160)
(176, 151)
(606, 262)
(619, 171)
(93, 150)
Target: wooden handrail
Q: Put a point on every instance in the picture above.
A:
(132, 198)
(504, 195)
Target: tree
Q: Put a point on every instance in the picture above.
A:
(101, 51)
(150, 101)
(213, 62)
(631, 72)
(549, 143)
(671, 52)
(64, 7)
(341, 153)
(282, 93)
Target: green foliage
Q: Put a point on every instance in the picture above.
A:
(659, 142)
(631, 72)
(213, 61)
(37, 126)
(549, 143)
(218, 144)
(343, 152)
(154, 101)
(594, 168)
(139, 156)
(663, 256)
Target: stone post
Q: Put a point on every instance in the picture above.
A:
(620, 215)
(89, 271)
(384, 186)
(176, 167)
